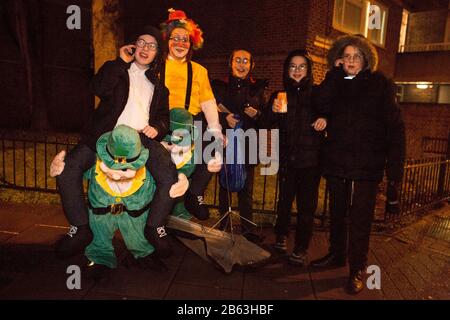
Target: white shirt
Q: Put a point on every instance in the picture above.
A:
(140, 94)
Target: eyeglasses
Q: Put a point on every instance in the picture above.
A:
(300, 67)
(349, 58)
(177, 39)
(152, 46)
(241, 61)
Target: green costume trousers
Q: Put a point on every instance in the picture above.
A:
(101, 250)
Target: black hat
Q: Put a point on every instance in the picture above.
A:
(150, 30)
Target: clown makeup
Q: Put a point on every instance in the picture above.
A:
(146, 50)
(241, 64)
(179, 44)
(353, 60)
(298, 68)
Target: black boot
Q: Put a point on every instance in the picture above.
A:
(355, 282)
(196, 206)
(157, 236)
(96, 272)
(152, 262)
(74, 242)
(331, 260)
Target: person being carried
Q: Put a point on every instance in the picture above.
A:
(189, 88)
(131, 93)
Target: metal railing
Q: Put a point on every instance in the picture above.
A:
(435, 145)
(25, 163)
(426, 182)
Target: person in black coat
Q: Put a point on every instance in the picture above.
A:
(365, 136)
(130, 93)
(300, 136)
(240, 99)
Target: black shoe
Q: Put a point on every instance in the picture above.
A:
(196, 206)
(331, 260)
(152, 262)
(157, 236)
(74, 242)
(96, 272)
(281, 244)
(299, 258)
(252, 237)
(355, 282)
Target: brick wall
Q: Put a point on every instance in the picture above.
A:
(424, 120)
(426, 27)
(269, 29)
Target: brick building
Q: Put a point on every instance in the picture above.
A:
(48, 66)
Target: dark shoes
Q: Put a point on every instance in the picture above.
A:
(96, 272)
(74, 242)
(331, 260)
(281, 244)
(355, 282)
(299, 258)
(196, 206)
(157, 236)
(152, 262)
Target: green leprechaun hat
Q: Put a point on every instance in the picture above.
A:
(181, 126)
(122, 149)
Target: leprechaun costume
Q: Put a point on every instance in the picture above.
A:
(119, 196)
(180, 143)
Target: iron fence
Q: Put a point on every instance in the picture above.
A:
(25, 166)
(426, 182)
(435, 145)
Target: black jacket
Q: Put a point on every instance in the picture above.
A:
(236, 94)
(299, 142)
(365, 131)
(111, 85)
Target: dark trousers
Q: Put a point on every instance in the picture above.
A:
(245, 200)
(201, 176)
(302, 184)
(81, 158)
(200, 179)
(354, 200)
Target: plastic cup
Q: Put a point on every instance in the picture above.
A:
(282, 98)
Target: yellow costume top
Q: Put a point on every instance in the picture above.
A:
(176, 82)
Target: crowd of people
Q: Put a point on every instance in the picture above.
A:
(348, 129)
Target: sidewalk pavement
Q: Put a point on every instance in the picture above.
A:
(414, 262)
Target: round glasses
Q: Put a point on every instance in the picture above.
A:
(300, 67)
(177, 39)
(241, 61)
(152, 46)
(349, 58)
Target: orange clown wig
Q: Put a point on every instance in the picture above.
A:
(178, 19)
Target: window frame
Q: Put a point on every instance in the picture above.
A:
(384, 10)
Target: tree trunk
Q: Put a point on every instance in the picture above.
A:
(107, 31)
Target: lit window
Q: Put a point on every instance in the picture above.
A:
(423, 92)
(368, 18)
